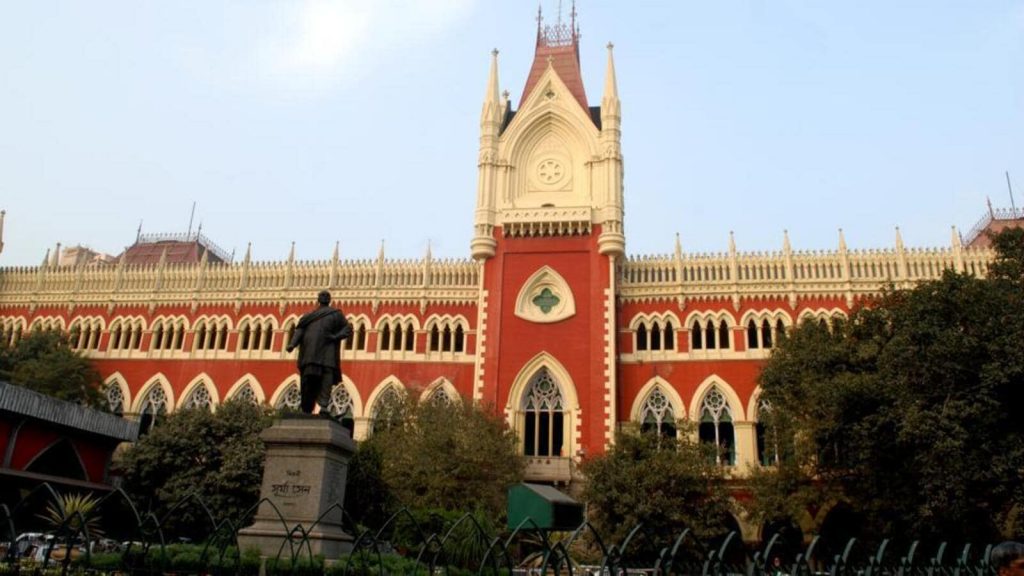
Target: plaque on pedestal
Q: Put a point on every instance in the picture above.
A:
(304, 474)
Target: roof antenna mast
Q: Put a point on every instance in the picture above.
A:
(190, 218)
(1010, 188)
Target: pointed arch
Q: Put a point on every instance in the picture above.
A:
(752, 404)
(716, 381)
(282, 388)
(252, 382)
(353, 394)
(388, 382)
(522, 380)
(157, 379)
(444, 384)
(379, 406)
(515, 415)
(117, 379)
(202, 380)
(678, 406)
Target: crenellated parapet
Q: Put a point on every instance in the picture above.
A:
(378, 281)
(793, 275)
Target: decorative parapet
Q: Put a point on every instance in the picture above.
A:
(450, 281)
(546, 221)
(792, 275)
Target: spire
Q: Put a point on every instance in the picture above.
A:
(492, 109)
(46, 259)
(679, 248)
(785, 242)
(899, 239)
(2, 214)
(842, 241)
(380, 253)
(430, 254)
(56, 256)
(957, 243)
(732, 243)
(336, 253)
(248, 253)
(611, 87)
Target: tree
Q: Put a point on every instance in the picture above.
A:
(217, 457)
(44, 361)
(908, 411)
(452, 456)
(668, 485)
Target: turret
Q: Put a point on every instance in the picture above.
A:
(612, 240)
(491, 116)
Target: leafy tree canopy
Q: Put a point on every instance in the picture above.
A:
(215, 456)
(668, 485)
(442, 456)
(908, 411)
(44, 361)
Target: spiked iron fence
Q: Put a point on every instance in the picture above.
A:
(462, 547)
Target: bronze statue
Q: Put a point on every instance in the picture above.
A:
(318, 336)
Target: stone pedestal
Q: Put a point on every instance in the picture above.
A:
(303, 475)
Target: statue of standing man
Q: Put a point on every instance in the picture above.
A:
(318, 336)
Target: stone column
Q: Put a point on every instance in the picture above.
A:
(304, 475)
(746, 446)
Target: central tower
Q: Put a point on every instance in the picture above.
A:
(547, 234)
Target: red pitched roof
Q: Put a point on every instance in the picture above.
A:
(561, 44)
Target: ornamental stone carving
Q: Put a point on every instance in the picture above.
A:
(545, 298)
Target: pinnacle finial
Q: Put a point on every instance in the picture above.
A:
(785, 241)
(842, 240)
(899, 238)
(955, 237)
(334, 255)
(248, 252)
(611, 86)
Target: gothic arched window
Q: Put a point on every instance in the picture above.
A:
(766, 333)
(387, 409)
(696, 336)
(290, 399)
(716, 427)
(440, 396)
(656, 415)
(154, 407)
(115, 398)
(460, 338)
(245, 394)
(199, 398)
(752, 342)
(767, 437)
(341, 408)
(544, 420)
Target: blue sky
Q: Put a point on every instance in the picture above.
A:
(319, 121)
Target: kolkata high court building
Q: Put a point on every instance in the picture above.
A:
(546, 320)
